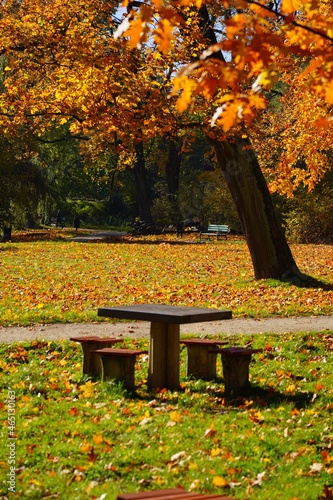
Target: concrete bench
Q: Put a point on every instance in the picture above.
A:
(236, 363)
(170, 494)
(91, 364)
(216, 229)
(201, 359)
(119, 364)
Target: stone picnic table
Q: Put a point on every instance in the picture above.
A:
(164, 345)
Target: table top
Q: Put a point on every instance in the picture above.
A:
(161, 313)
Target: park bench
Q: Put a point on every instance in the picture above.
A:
(201, 360)
(119, 364)
(236, 363)
(216, 229)
(171, 494)
(91, 363)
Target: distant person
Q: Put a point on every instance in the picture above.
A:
(180, 228)
(76, 222)
(59, 219)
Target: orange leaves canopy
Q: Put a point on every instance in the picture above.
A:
(255, 39)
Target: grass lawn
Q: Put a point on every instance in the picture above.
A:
(67, 436)
(57, 280)
(85, 439)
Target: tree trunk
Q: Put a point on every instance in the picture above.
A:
(172, 171)
(172, 168)
(270, 253)
(142, 193)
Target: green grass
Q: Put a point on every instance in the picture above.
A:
(78, 438)
(63, 281)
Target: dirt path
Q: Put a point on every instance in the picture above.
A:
(141, 329)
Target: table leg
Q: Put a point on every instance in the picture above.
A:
(172, 362)
(163, 368)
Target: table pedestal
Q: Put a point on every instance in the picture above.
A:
(163, 366)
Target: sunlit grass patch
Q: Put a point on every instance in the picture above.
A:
(64, 281)
(82, 438)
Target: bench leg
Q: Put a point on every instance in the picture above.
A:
(163, 366)
(91, 364)
(119, 368)
(200, 362)
(235, 372)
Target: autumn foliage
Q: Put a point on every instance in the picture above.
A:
(118, 82)
(262, 47)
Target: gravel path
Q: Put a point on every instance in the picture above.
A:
(140, 329)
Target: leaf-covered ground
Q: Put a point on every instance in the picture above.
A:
(59, 281)
(86, 439)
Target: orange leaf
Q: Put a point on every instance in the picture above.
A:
(290, 6)
(97, 439)
(163, 35)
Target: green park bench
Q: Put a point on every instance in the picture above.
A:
(215, 229)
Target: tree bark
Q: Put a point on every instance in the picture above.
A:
(172, 172)
(142, 192)
(270, 253)
(172, 168)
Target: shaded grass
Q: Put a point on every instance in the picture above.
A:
(80, 438)
(62, 281)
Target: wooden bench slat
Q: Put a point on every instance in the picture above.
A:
(118, 352)
(100, 340)
(195, 341)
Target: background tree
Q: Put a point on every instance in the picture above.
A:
(65, 66)
(254, 35)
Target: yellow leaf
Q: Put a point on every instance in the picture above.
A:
(85, 448)
(215, 452)
(220, 482)
(290, 389)
(175, 416)
(186, 86)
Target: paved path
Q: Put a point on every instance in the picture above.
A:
(140, 329)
